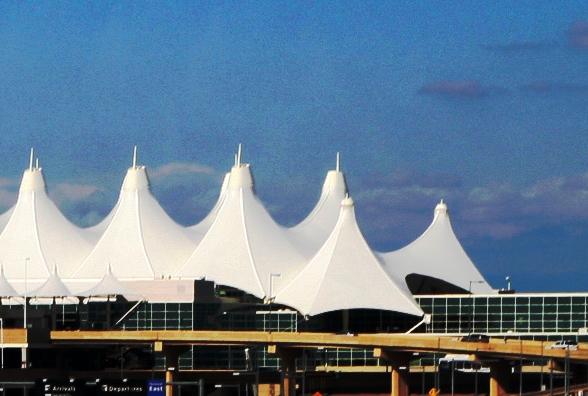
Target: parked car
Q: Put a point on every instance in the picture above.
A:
(564, 344)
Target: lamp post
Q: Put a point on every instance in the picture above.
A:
(25, 292)
(471, 304)
(271, 284)
(452, 362)
(2, 339)
(270, 299)
(474, 281)
(567, 372)
(476, 380)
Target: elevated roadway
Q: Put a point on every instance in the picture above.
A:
(495, 347)
(396, 348)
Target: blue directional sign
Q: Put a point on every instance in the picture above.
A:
(155, 387)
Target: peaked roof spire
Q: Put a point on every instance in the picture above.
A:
(437, 253)
(31, 159)
(138, 231)
(37, 229)
(110, 285)
(239, 155)
(52, 288)
(344, 257)
(135, 157)
(259, 246)
(314, 230)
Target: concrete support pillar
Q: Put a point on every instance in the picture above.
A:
(169, 378)
(24, 353)
(288, 357)
(499, 378)
(400, 370)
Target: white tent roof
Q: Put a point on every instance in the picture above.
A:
(5, 217)
(6, 289)
(53, 287)
(141, 240)
(437, 253)
(198, 231)
(243, 245)
(345, 274)
(37, 234)
(109, 285)
(313, 231)
(320, 265)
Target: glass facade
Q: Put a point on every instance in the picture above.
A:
(161, 316)
(503, 314)
(538, 316)
(546, 316)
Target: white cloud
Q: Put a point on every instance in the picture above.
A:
(391, 211)
(397, 213)
(72, 192)
(176, 168)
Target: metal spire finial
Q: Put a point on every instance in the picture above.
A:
(135, 157)
(31, 159)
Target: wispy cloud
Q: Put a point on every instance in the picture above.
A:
(578, 34)
(555, 87)
(392, 210)
(177, 169)
(83, 204)
(457, 89)
(72, 192)
(8, 193)
(186, 191)
(393, 215)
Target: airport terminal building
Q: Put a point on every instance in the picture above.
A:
(238, 270)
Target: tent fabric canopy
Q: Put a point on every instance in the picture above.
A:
(36, 232)
(243, 245)
(335, 270)
(139, 232)
(109, 285)
(6, 289)
(53, 287)
(437, 253)
(313, 231)
(238, 244)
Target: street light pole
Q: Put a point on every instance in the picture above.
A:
(452, 377)
(25, 292)
(471, 304)
(2, 339)
(567, 372)
(271, 284)
(270, 299)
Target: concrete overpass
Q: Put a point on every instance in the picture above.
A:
(398, 349)
(496, 347)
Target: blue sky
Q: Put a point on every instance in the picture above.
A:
(480, 103)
